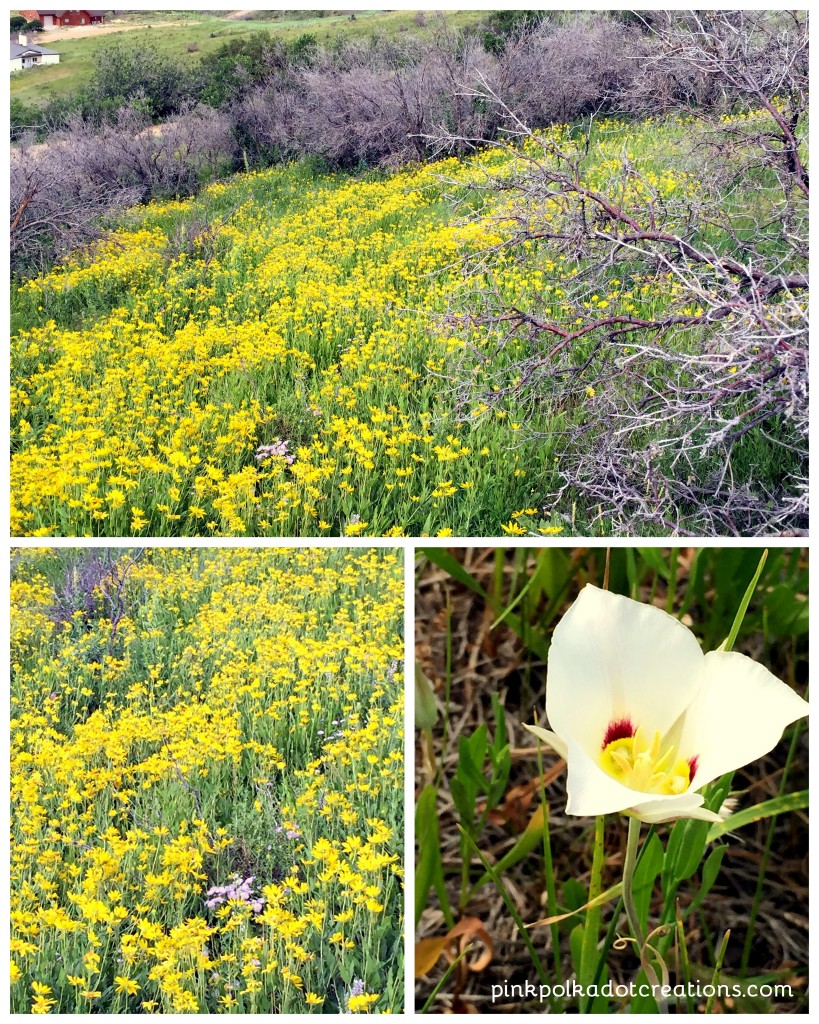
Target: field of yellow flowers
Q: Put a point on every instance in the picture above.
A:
(206, 770)
(272, 359)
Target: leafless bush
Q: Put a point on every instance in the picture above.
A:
(693, 419)
(268, 120)
(93, 586)
(368, 105)
(55, 210)
(62, 191)
(163, 161)
(383, 101)
(78, 593)
(712, 59)
(558, 73)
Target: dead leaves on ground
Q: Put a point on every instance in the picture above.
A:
(467, 947)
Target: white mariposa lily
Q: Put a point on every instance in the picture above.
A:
(644, 718)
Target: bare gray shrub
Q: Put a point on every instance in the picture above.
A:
(693, 420)
(559, 72)
(93, 586)
(268, 120)
(371, 104)
(62, 191)
(711, 59)
(55, 210)
(377, 111)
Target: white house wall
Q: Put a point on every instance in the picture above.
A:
(45, 58)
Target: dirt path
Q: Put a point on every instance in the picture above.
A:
(78, 31)
(238, 15)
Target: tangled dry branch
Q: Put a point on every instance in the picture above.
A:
(694, 410)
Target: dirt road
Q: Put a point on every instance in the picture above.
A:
(78, 31)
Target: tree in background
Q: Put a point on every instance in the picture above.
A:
(125, 74)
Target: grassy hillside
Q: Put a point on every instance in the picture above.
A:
(272, 358)
(302, 322)
(199, 825)
(173, 33)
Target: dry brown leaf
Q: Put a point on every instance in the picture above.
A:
(514, 809)
(457, 939)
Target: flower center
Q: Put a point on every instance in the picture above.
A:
(645, 766)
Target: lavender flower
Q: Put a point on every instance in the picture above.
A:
(279, 449)
(356, 990)
(238, 889)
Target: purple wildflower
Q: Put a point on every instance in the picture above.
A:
(279, 449)
(238, 890)
(356, 990)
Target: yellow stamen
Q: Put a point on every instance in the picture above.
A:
(644, 766)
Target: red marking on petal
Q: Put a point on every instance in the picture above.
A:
(618, 730)
(693, 764)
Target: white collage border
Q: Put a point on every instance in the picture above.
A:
(407, 545)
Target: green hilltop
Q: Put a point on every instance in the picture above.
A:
(187, 36)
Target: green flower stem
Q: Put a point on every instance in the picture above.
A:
(611, 934)
(728, 643)
(629, 864)
(443, 981)
(588, 950)
(673, 565)
(709, 1006)
(548, 868)
(510, 906)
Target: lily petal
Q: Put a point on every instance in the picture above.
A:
(738, 715)
(613, 659)
(546, 736)
(686, 805)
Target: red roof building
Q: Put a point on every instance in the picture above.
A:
(56, 19)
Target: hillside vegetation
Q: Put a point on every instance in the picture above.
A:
(185, 37)
(548, 275)
(276, 376)
(207, 781)
(279, 357)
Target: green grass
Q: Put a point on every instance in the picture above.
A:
(171, 32)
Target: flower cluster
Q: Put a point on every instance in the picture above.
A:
(321, 317)
(281, 449)
(238, 889)
(207, 793)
